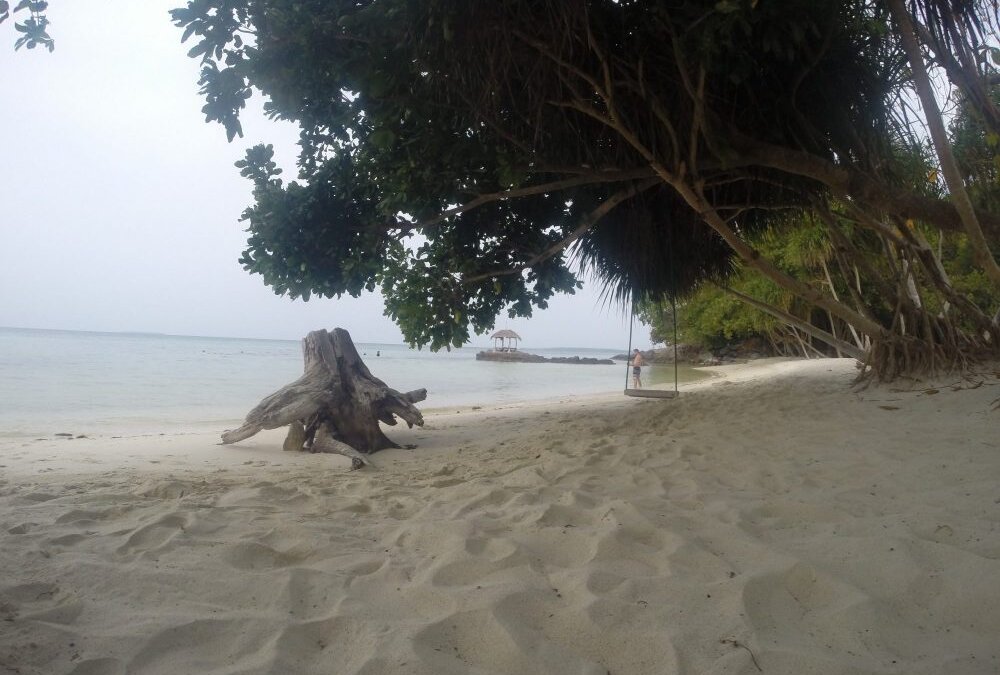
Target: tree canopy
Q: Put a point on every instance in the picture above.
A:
(472, 158)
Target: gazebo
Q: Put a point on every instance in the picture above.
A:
(505, 341)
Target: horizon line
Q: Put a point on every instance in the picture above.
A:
(137, 333)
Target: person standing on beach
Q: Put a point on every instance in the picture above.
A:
(637, 363)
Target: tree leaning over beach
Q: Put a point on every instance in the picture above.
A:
(472, 158)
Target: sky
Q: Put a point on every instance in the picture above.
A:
(120, 205)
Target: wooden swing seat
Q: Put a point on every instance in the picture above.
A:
(651, 393)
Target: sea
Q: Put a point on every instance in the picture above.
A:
(88, 383)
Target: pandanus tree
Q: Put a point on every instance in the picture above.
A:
(473, 157)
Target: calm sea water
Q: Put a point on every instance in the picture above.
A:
(106, 383)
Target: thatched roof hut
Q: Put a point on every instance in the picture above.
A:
(505, 341)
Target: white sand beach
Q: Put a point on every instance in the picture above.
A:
(772, 520)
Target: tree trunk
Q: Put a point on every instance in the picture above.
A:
(935, 124)
(336, 405)
(794, 322)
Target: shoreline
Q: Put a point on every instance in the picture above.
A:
(772, 508)
(96, 384)
(118, 430)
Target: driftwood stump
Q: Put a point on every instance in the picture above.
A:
(336, 405)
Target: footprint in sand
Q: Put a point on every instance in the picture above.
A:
(154, 536)
(403, 508)
(187, 647)
(475, 641)
(22, 594)
(562, 517)
(447, 482)
(312, 593)
(324, 641)
(359, 506)
(569, 549)
(801, 604)
(257, 556)
(80, 517)
(64, 612)
(38, 497)
(497, 497)
(488, 558)
(270, 493)
(468, 642)
(67, 540)
(493, 549)
(170, 489)
(102, 666)
(366, 568)
(39, 601)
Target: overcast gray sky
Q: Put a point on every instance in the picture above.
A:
(119, 205)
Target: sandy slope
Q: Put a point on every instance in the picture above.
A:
(770, 520)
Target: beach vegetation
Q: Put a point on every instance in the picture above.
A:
(472, 159)
(714, 316)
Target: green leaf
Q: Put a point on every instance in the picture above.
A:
(188, 31)
(383, 139)
(379, 85)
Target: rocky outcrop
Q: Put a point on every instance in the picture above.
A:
(509, 357)
(526, 357)
(580, 359)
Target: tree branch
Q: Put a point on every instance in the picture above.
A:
(588, 222)
(793, 320)
(543, 188)
(980, 247)
(849, 183)
(555, 58)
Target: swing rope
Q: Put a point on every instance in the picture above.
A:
(628, 354)
(673, 305)
(673, 312)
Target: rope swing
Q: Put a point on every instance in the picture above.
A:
(655, 393)
(651, 393)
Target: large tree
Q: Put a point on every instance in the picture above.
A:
(456, 153)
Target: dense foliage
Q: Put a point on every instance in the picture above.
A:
(472, 158)
(459, 154)
(713, 316)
